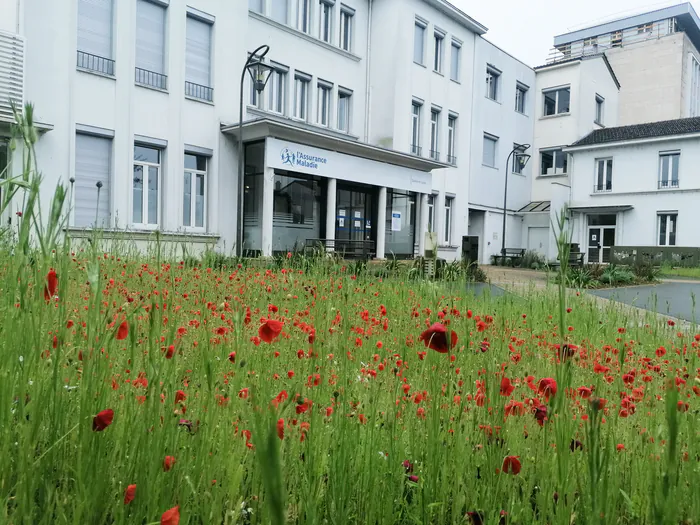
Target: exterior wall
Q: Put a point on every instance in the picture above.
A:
(690, 93)
(11, 19)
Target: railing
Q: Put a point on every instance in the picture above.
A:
(11, 74)
(666, 184)
(348, 249)
(435, 155)
(151, 78)
(451, 159)
(416, 150)
(678, 256)
(95, 63)
(198, 91)
(602, 188)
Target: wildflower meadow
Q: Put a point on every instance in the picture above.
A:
(152, 390)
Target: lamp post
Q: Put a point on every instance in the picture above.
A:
(259, 74)
(521, 158)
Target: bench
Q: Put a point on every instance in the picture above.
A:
(362, 250)
(575, 260)
(514, 254)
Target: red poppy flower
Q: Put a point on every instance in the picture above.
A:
(232, 357)
(435, 338)
(129, 494)
(280, 428)
(122, 331)
(171, 516)
(547, 387)
(168, 463)
(51, 286)
(506, 387)
(270, 330)
(511, 465)
(102, 420)
(180, 396)
(169, 353)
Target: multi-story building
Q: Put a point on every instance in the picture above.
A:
(655, 57)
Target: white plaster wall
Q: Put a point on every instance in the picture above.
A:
(10, 20)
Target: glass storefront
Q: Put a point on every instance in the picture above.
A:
(298, 213)
(253, 197)
(400, 223)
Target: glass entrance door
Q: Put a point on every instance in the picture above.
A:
(601, 239)
(354, 219)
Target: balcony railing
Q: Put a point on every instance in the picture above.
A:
(435, 155)
(602, 188)
(416, 150)
(451, 159)
(198, 91)
(11, 75)
(95, 63)
(151, 78)
(668, 184)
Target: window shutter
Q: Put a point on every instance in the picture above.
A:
(93, 158)
(95, 27)
(198, 54)
(150, 37)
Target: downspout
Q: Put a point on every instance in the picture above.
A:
(368, 73)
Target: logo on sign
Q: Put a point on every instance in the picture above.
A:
(287, 156)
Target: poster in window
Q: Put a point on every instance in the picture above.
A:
(341, 213)
(341, 222)
(396, 221)
(358, 214)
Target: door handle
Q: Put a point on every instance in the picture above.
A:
(598, 245)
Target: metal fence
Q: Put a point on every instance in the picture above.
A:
(198, 91)
(151, 78)
(656, 255)
(95, 63)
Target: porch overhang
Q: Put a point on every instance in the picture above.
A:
(261, 128)
(600, 209)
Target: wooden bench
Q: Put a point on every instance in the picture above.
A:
(514, 254)
(575, 260)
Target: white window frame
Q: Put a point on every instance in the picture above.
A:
(455, 67)
(599, 109)
(451, 138)
(521, 97)
(616, 39)
(304, 19)
(431, 212)
(324, 91)
(104, 222)
(277, 89)
(302, 102)
(190, 53)
(493, 81)
(416, 114)
(90, 39)
(556, 152)
(144, 192)
(494, 139)
(645, 28)
(556, 92)
(449, 208)
(193, 195)
(604, 179)
(666, 217)
(326, 13)
(516, 167)
(423, 25)
(674, 157)
(439, 50)
(344, 93)
(347, 24)
(435, 133)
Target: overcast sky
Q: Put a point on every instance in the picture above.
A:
(526, 28)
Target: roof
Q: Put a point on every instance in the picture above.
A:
(666, 128)
(536, 206)
(579, 59)
(685, 15)
(458, 15)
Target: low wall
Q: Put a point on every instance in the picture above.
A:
(656, 255)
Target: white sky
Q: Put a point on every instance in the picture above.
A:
(526, 28)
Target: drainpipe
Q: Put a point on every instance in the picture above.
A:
(368, 72)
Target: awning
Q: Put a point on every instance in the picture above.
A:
(536, 207)
(600, 209)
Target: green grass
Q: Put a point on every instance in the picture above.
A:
(669, 271)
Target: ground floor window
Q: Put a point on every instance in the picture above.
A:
(400, 222)
(146, 186)
(449, 201)
(297, 211)
(431, 213)
(4, 162)
(253, 196)
(194, 191)
(667, 228)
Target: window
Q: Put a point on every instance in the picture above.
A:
(599, 103)
(150, 45)
(277, 88)
(449, 201)
(194, 191)
(415, 127)
(325, 23)
(301, 96)
(95, 25)
(346, 27)
(298, 211)
(694, 109)
(553, 162)
(198, 60)
(668, 166)
(451, 139)
(517, 165)
(279, 11)
(646, 28)
(616, 39)
(344, 109)
(419, 43)
(489, 155)
(455, 60)
(437, 61)
(667, 228)
(604, 168)
(4, 163)
(93, 163)
(590, 42)
(304, 15)
(557, 101)
(492, 81)
(324, 104)
(256, 5)
(145, 196)
(520, 97)
(431, 213)
(434, 133)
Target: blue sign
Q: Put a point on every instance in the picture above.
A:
(299, 159)
(287, 156)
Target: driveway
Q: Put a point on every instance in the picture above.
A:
(672, 298)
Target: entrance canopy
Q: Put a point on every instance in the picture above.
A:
(601, 209)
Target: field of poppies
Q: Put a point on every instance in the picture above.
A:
(137, 390)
